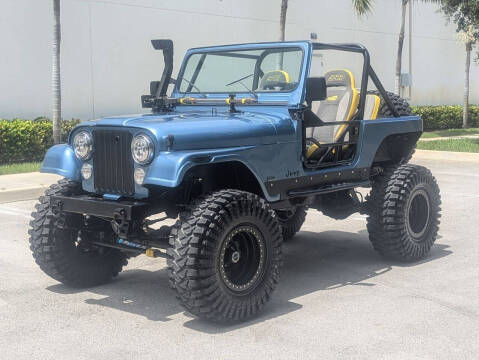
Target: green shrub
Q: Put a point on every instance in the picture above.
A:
(445, 117)
(28, 140)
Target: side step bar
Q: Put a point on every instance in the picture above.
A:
(328, 188)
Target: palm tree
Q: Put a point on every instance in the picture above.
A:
(282, 29)
(56, 85)
(364, 6)
(465, 14)
(282, 19)
(469, 39)
(465, 109)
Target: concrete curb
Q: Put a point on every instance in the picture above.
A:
(22, 194)
(475, 136)
(26, 186)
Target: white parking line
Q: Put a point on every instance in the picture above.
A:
(15, 212)
(462, 174)
(466, 195)
(19, 211)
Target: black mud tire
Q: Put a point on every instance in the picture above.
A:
(402, 107)
(291, 221)
(52, 243)
(404, 212)
(198, 240)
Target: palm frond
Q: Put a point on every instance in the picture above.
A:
(362, 6)
(430, 1)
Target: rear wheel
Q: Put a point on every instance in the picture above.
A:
(62, 243)
(404, 211)
(291, 220)
(225, 257)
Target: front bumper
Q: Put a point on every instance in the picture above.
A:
(125, 219)
(88, 205)
(122, 214)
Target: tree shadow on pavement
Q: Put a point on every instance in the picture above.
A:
(312, 262)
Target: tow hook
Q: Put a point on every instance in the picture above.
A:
(120, 224)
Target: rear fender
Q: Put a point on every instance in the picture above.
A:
(379, 137)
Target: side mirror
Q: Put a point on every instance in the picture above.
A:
(316, 89)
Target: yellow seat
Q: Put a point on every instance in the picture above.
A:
(371, 108)
(341, 105)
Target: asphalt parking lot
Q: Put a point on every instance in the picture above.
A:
(337, 297)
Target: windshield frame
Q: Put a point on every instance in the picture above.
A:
(256, 74)
(293, 96)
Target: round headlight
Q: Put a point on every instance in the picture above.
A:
(142, 149)
(83, 145)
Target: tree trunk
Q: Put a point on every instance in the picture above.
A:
(56, 85)
(282, 29)
(397, 81)
(282, 19)
(465, 110)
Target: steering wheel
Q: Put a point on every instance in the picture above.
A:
(272, 85)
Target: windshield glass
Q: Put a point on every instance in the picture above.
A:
(261, 70)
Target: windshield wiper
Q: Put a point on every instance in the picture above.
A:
(192, 85)
(242, 84)
(236, 81)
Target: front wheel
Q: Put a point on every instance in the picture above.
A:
(225, 255)
(62, 243)
(404, 211)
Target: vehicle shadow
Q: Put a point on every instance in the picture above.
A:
(312, 262)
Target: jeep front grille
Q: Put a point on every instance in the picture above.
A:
(112, 162)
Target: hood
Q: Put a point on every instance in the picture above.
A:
(203, 130)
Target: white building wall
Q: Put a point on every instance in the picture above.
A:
(107, 60)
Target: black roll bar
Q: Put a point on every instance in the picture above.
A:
(368, 72)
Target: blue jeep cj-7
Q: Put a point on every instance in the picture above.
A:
(248, 141)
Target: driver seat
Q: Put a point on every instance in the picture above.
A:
(341, 105)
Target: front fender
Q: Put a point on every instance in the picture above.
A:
(61, 160)
(168, 168)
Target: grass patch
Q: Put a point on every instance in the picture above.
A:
(449, 132)
(20, 168)
(460, 145)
